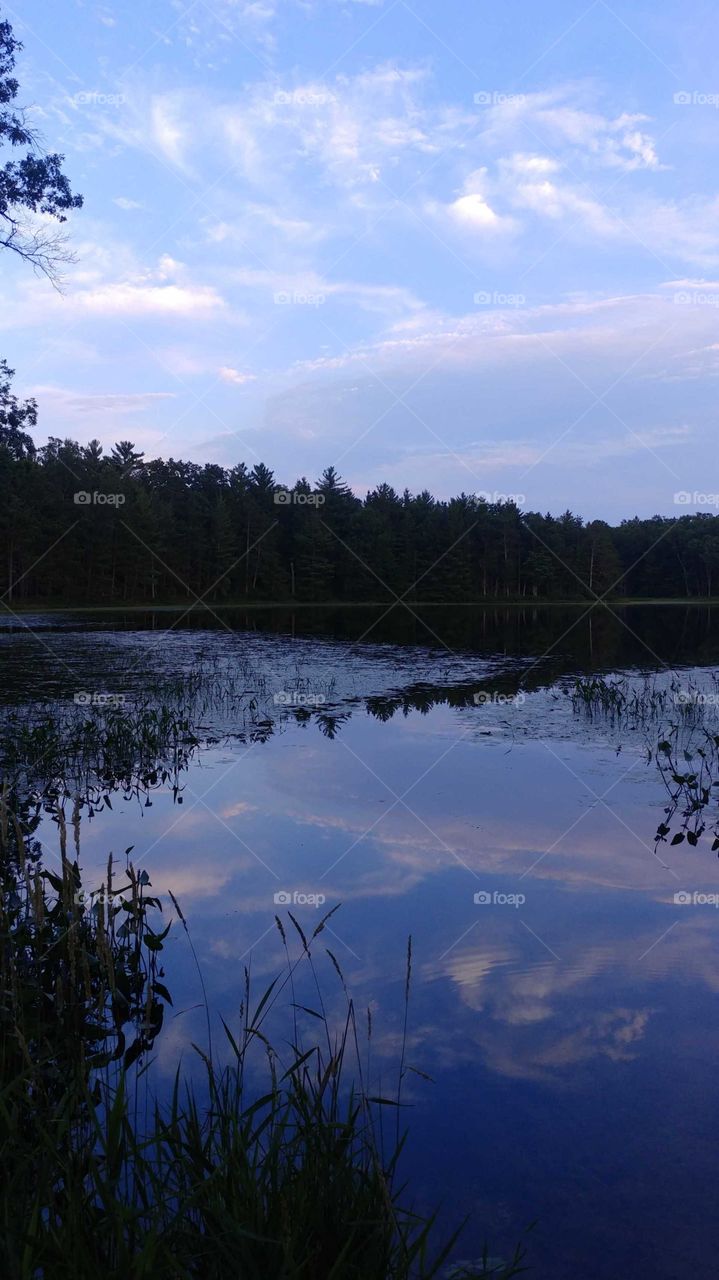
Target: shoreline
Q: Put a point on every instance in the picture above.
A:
(412, 606)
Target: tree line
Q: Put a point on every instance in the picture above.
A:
(78, 525)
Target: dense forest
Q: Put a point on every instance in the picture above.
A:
(78, 525)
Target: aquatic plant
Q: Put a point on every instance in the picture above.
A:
(80, 980)
(691, 776)
(619, 699)
(687, 750)
(287, 1180)
(274, 1165)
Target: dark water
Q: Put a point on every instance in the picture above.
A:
(570, 1022)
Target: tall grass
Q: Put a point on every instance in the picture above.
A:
(272, 1165)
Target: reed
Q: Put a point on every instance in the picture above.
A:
(272, 1165)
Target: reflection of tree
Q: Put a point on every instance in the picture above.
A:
(82, 997)
(330, 722)
(80, 974)
(56, 754)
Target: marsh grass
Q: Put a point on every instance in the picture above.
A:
(619, 699)
(68, 751)
(272, 1164)
(638, 701)
(80, 978)
(145, 740)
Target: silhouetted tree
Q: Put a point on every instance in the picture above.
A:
(34, 184)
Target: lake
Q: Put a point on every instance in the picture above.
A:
(435, 773)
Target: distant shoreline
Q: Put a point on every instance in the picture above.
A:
(411, 605)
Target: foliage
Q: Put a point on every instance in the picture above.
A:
(86, 753)
(691, 776)
(34, 184)
(179, 532)
(79, 974)
(686, 752)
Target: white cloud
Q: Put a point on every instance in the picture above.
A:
(356, 131)
(474, 211)
(522, 190)
(99, 402)
(384, 299)
(549, 200)
(126, 299)
(109, 282)
(565, 120)
(312, 160)
(168, 133)
(531, 165)
(238, 379)
(502, 454)
(503, 351)
(255, 218)
(211, 28)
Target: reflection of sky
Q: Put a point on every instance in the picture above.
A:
(563, 1033)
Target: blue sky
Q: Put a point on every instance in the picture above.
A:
(457, 245)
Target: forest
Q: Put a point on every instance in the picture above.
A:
(81, 526)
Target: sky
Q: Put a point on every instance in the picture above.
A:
(450, 245)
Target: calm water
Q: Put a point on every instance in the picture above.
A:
(570, 1022)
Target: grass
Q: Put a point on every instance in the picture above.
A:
(279, 1164)
(643, 701)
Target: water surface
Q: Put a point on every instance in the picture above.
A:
(431, 775)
